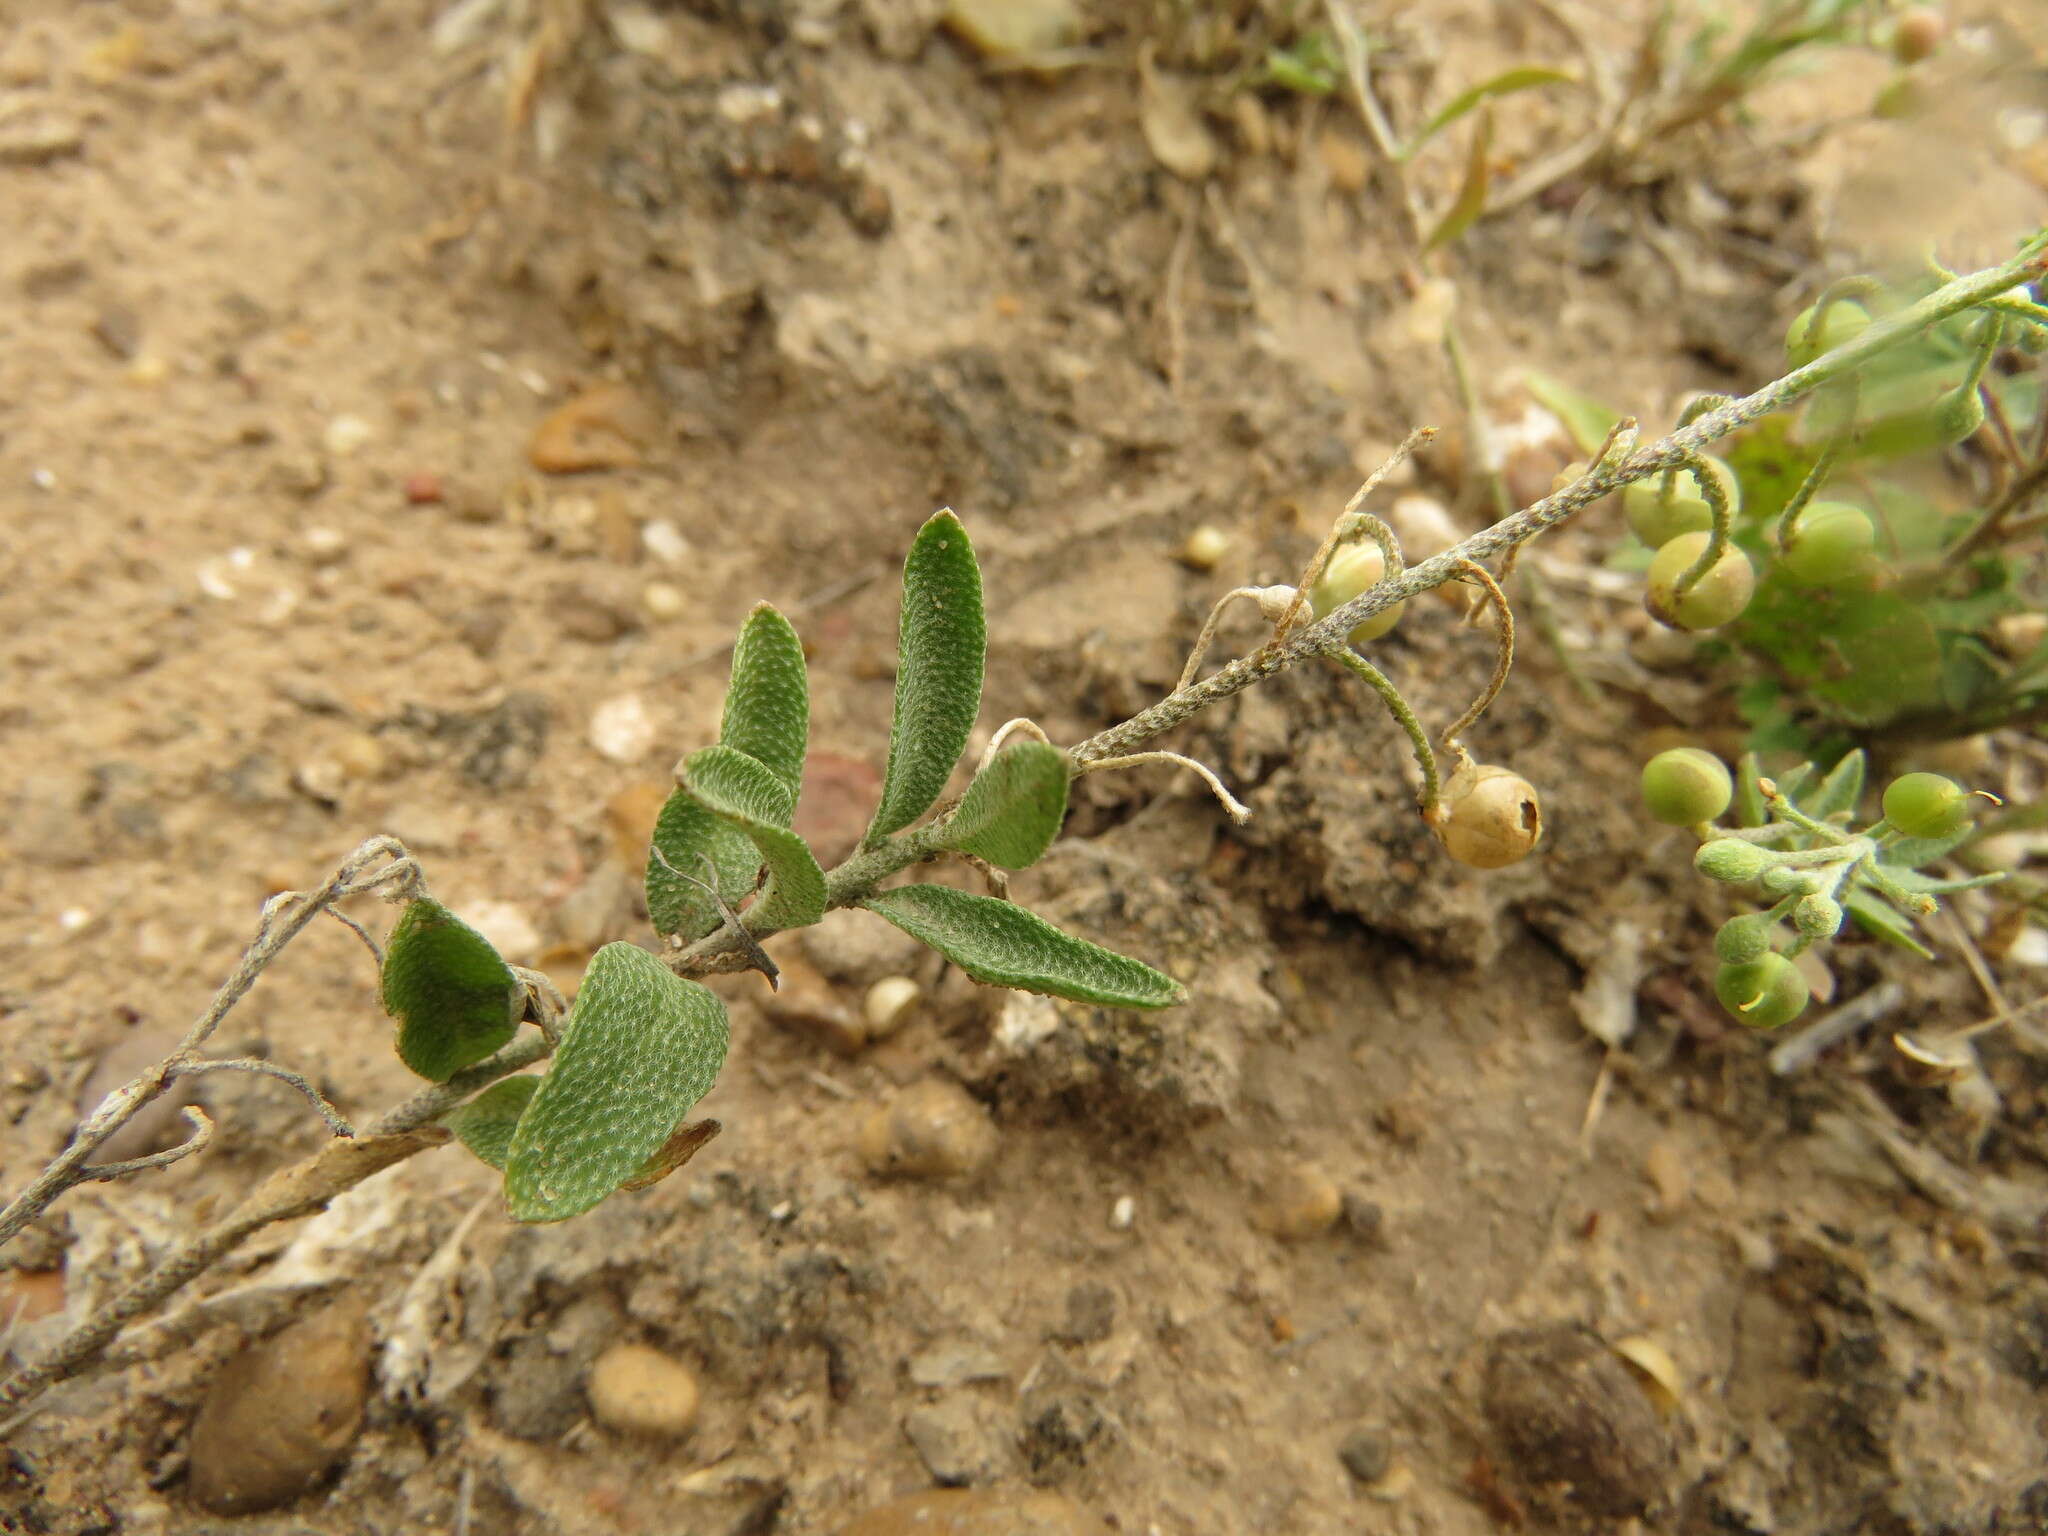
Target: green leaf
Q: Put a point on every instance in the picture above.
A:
(1749, 796)
(454, 997)
(1526, 77)
(684, 831)
(1013, 809)
(485, 1123)
(942, 645)
(1471, 199)
(1875, 916)
(1003, 945)
(640, 1047)
(768, 702)
(1586, 419)
(1839, 791)
(1913, 852)
(747, 795)
(1917, 884)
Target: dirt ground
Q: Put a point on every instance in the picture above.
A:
(286, 290)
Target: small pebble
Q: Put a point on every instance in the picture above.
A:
(665, 542)
(1569, 1413)
(932, 1130)
(1299, 1201)
(889, 1005)
(282, 1412)
(622, 730)
(423, 488)
(323, 545)
(1205, 549)
(640, 1391)
(119, 330)
(607, 427)
(663, 600)
(346, 435)
(1366, 1456)
(1123, 1214)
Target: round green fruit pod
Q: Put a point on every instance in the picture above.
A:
(1686, 786)
(1926, 805)
(1765, 993)
(1353, 569)
(1833, 544)
(1845, 321)
(1657, 518)
(1717, 597)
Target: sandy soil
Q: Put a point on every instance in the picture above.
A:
(285, 293)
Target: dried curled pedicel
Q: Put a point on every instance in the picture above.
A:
(1489, 817)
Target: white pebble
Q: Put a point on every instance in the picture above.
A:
(43, 479)
(1123, 1214)
(889, 1003)
(663, 600)
(511, 932)
(2030, 948)
(323, 544)
(664, 540)
(346, 435)
(71, 919)
(621, 730)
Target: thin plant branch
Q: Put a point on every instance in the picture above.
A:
(202, 1133)
(1239, 811)
(335, 1121)
(356, 928)
(1265, 597)
(1003, 733)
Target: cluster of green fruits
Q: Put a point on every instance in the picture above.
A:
(1804, 865)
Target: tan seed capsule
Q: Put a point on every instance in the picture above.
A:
(1488, 817)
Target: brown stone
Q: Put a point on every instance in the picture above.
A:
(283, 1412)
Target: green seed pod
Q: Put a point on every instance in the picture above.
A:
(1926, 805)
(1733, 860)
(1817, 916)
(1765, 993)
(1488, 817)
(1716, 598)
(1786, 881)
(1846, 320)
(1351, 570)
(1743, 939)
(1959, 415)
(1686, 786)
(1833, 544)
(1657, 519)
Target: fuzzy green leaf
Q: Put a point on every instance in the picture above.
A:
(1526, 77)
(640, 1047)
(454, 998)
(1013, 809)
(1839, 791)
(1914, 852)
(1917, 884)
(1876, 916)
(942, 645)
(1586, 419)
(1003, 945)
(684, 831)
(747, 795)
(1749, 795)
(485, 1123)
(1471, 199)
(768, 702)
